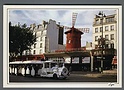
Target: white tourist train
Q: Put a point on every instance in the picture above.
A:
(51, 68)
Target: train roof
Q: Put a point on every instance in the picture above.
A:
(27, 62)
(33, 62)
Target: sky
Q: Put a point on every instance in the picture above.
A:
(64, 16)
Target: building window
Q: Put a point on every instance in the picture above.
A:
(41, 32)
(26, 52)
(111, 19)
(100, 36)
(97, 21)
(107, 46)
(69, 41)
(96, 38)
(96, 46)
(106, 36)
(35, 45)
(40, 52)
(34, 52)
(40, 38)
(112, 45)
(40, 45)
(112, 27)
(112, 36)
(101, 29)
(45, 39)
(107, 20)
(106, 28)
(96, 30)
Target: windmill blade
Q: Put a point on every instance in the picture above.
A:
(85, 30)
(74, 17)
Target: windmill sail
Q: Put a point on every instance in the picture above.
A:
(84, 30)
(74, 17)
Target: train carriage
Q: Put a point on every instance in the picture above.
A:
(50, 68)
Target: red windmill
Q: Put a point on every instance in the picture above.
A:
(73, 38)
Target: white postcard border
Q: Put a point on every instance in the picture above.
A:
(6, 83)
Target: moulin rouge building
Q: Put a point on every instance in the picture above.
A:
(75, 57)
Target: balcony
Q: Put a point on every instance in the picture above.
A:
(109, 51)
(104, 23)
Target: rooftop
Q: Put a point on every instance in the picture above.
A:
(75, 30)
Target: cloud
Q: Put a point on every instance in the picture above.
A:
(64, 16)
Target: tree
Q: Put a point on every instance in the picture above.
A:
(20, 38)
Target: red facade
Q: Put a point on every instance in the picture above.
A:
(30, 57)
(73, 39)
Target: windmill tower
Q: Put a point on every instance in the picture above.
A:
(73, 35)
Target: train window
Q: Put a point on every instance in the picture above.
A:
(46, 65)
(40, 66)
(53, 64)
(60, 64)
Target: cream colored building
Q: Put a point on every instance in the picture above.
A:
(89, 46)
(49, 38)
(109, 30)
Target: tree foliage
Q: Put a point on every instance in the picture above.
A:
(20, 38)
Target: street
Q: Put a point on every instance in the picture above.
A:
(74, 77)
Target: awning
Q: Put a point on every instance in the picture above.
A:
(68, 54)
(50, 55)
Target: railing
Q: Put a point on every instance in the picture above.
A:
(105, 52)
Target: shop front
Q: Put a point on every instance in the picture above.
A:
(74, 61)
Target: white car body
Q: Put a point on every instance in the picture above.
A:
(55, 71)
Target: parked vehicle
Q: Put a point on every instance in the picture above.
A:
(55, 69)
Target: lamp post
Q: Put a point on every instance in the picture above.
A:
(102, 39)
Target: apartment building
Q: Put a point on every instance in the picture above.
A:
(109, 26)
(49, 38)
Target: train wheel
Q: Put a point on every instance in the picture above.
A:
(55, 76)
(64, 77)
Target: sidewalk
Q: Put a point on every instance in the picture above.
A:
(106, 73)
(114, 71)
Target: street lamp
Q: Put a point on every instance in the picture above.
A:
(102, 39)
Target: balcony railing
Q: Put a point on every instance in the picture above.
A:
(105, 52)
